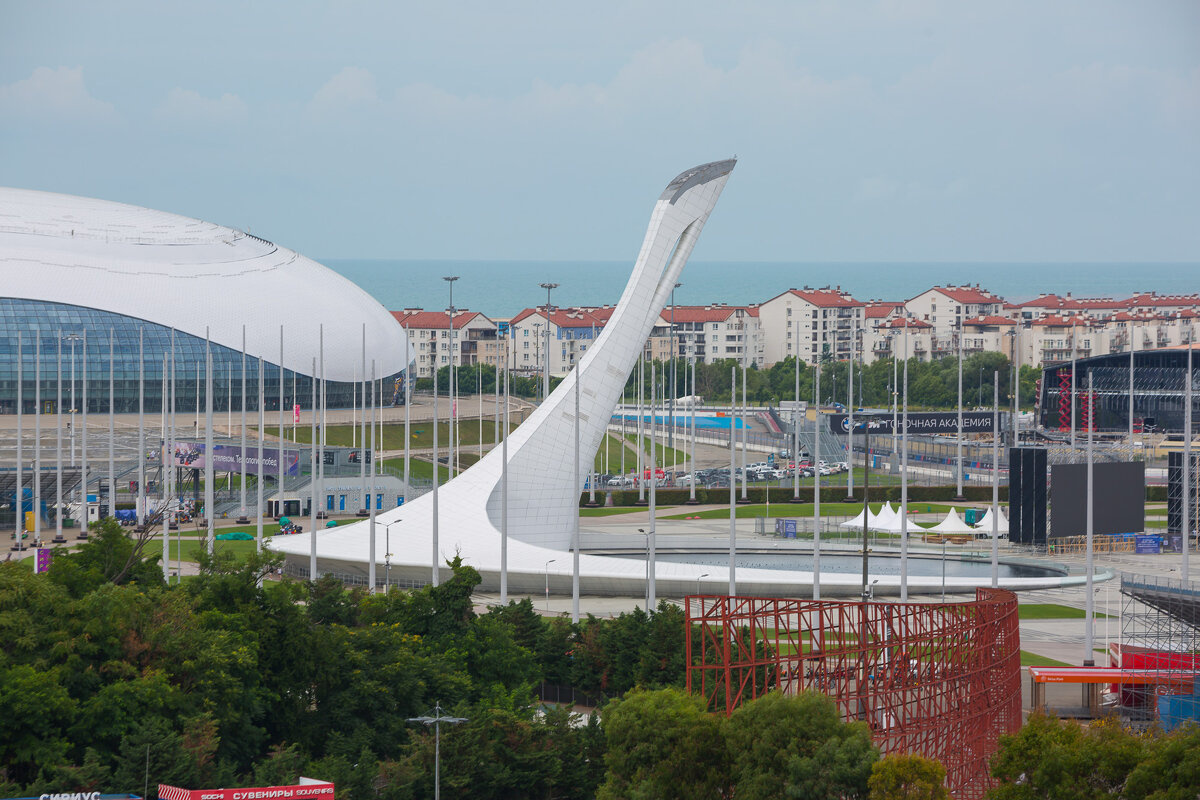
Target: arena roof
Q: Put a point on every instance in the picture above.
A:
(193, 276)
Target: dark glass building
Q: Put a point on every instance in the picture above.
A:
(1158, 392)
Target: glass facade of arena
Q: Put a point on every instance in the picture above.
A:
(35, 319)
(1158, 381)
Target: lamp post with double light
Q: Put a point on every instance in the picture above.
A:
(436, 721)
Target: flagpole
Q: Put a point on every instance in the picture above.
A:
(816, 583)
(262, 421)
(209, 471)
(370, 499)
(436, 471)
(732, 483)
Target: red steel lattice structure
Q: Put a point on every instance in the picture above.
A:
(1064, 401)
(942, 680)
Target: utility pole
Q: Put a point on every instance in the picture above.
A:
(546, 369)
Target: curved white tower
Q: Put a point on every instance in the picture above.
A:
(543, 495)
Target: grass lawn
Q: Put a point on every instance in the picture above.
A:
(1029, 659)
(418, 468)
(614, 449)
(1051, 611)
(789, 510)
(664, 456)
(1160, 522)
(240, 549)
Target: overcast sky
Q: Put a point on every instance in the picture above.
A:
(865, 131)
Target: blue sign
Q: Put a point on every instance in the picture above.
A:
(1147, 543)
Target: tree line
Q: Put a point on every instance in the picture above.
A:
(111, 681)
(931, 384)
(218, 682)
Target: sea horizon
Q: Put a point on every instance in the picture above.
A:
(500, 288)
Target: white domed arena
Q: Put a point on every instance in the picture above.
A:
(115, 285)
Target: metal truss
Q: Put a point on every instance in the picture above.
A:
(1160, 631)
(942, 680)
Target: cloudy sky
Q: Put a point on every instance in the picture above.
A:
(866, 131)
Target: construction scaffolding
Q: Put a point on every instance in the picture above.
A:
(1160, 635)
(942, 680)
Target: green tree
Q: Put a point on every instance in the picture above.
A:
(662, 744)
(1171, 768)
(108, 555)
(907, 776)
(1056, 760)
(36, 712)
(797, 746)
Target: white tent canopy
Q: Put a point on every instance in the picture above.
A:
(886, 520)
(857, 522)
(953, 523)
(985, 524)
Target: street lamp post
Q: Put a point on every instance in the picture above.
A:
(387, 554)
(702, 577)
(546, 366)
(548, 563)
(436, 721)
(866, 425)
(674, 355)
(450, 279)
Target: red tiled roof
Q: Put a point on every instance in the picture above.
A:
(883, 310)
(968, 294)
(1074, 303)
(1053, 321)
(903, 322)
(565, 317)
(989, 320)
(827, 298)
(717, 313)
(1140, 316)
(1171, 300)
(439, 320)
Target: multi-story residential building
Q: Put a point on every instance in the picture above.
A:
(877, 338)
(1152, 303)
(905, 337)
(989, 334)
(945, 308)
(819, 324)
(712, 333)
(1048, 305)
(571, 331)
(473, 339)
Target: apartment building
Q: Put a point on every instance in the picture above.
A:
(989, 334)
(570, 332)
(472, 340)
(818, 324)
(1048, 305)
(715, 332)
(877, 338)
(945, 308)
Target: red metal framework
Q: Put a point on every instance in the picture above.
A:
(942, 680)
(1064, 401)
(1088, 411)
